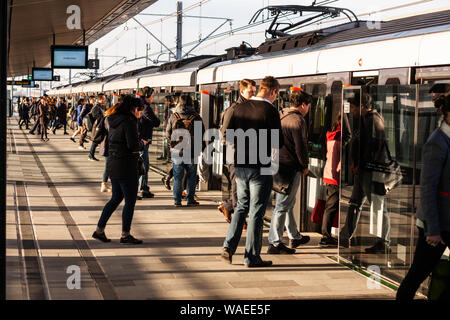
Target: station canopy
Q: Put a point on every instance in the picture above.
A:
(33, 24)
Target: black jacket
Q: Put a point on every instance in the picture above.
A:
(255, 115)
(226, 116)
(123, 147)
(61, 112)
(147, 122)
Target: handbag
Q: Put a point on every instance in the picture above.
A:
(319, 210)
(386, 176)
(282, 180)
(141, 166)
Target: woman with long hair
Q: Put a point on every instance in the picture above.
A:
(122, 167)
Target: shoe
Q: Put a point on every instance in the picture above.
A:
(147, 194)
(225, 213)
(93, 159)
(129, 239)
(105, 187)
(82, 147)
(226, 255)
(54, 131)
(66, 133)
(196, 198)
(138, 197)
(379, 247)
(245, 226)
(100, 236)
(166, 183)
(328, 242)
(280, 249)
(294, 243)
(73, 140)
(178, 205)
(193, 204)
(259, 264)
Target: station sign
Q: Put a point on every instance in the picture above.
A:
(19, 83)
(94, 64)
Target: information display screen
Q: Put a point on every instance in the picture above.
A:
(42, 74)
(70, 57)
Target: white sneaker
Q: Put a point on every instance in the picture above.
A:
(105, 187)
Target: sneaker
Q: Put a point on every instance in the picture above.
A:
(379, 247)
(280, 249)
(105, 187)
(147, 194)
(193, 204)
(226, 255)
(93, 159)
(225, 213)
(259, 264)
(129, 239)
(178, 205)
(328, 242)
(73, 140)
(166, 183)
(294, 243)
(100, 236)
(66, 133)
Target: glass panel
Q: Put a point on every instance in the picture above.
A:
(377, 223)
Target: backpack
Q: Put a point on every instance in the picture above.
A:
(184, 123)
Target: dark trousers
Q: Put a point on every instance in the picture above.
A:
(121, 188)
(92, 151)
(231, 203)
(23, 121)
(331, 209)
(83, 135)
(37, 125)
(425, 259)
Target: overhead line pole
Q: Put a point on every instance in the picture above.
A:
(179, 29)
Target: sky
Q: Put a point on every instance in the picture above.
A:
(129, 41)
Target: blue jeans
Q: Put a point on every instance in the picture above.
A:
(92, 151)
(105, 174)
(143, 180)
(191, 181)
(253, 192)
(283, 215)
(121, 188)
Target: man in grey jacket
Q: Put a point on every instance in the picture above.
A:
(433, 213)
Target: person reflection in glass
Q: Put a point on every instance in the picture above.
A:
(368, 145)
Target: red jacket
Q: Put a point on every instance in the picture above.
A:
(333, 165)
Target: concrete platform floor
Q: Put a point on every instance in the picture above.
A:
(57, 189)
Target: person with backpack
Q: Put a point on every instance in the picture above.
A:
(180, 133)
(146, 123)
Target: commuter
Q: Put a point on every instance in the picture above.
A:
(368, 146)
(35, 113)
(86, 121)
(76, 113)
(185, 118)
(123, 152)
(168, 110)
(247, 89)
(52, 115)
(293, 162)
(24, 112)
(433, 212)
(253, 187)
(44, 116)
(61, 113)
(331, 178)
(146, 123)
(97, 114)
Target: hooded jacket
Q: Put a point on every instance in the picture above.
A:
(294, 153)
(123, 146)
(185, 111)
(147, 122)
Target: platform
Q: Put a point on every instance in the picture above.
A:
(54, 202)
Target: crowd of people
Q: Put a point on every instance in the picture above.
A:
(124, 133)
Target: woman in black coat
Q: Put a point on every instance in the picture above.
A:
(122, 167)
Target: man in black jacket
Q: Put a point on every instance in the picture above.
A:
(256, 135)
(247, 89)
(84, 113)
(146, 123)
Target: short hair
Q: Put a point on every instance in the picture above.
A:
(244, 83)
(269, 83)
(365, 102)
(147, 92)
(298, 98)
(440, 88)
(91, 97)
(186, 99)
(100, 95)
